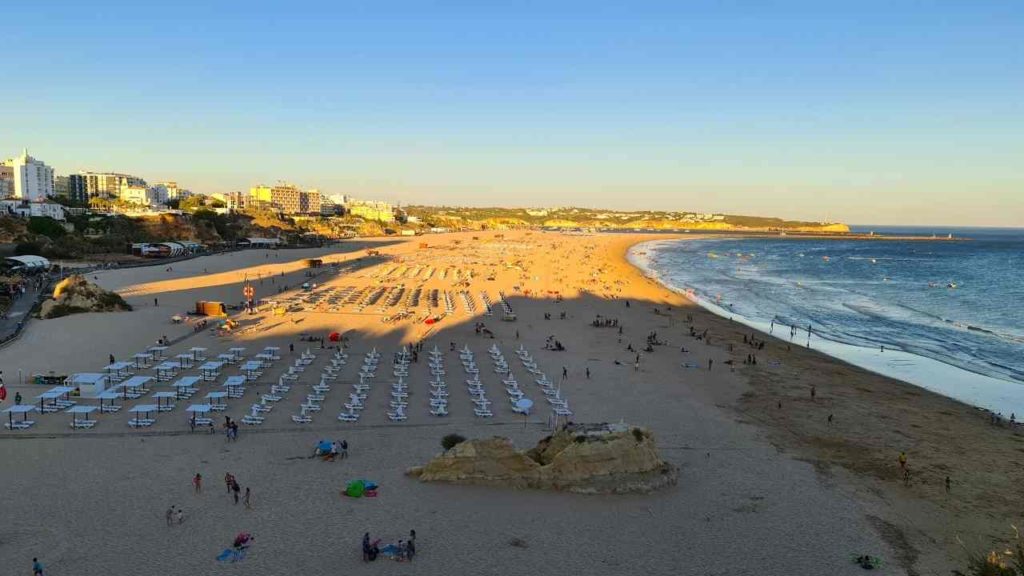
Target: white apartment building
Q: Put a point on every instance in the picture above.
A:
(33, 180)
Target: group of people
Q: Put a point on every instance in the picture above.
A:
(230, 429)
(236, 490)
(403, 551)
(603, 322)
(551, 343)
(330, 451)
(174, 515)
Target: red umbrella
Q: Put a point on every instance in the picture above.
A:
(334, 336)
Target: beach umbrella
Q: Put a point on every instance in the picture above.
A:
(334, 336)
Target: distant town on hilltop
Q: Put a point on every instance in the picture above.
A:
(88, 213)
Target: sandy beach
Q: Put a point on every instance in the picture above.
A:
(767, 484)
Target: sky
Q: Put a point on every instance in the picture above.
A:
(862, 112)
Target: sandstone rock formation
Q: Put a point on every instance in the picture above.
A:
(75, 294)
(586, 459)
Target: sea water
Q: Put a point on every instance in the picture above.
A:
(947, 315)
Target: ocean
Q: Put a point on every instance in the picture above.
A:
(949, 314)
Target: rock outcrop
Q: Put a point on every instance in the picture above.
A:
(75, 294)
(586, 459)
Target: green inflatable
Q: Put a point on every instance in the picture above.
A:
(355, 489)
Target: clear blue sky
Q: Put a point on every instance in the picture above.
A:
(876, 112)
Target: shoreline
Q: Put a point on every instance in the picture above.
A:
(974, 389)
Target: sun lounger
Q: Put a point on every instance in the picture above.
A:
(302, 418)
(348, 417)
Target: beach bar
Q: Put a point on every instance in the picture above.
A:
(89, 384)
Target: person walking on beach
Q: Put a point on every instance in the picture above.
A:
(565, 373)
(37, 567)
(588, 372)
(248, 498)
(235, 489)
(179, 516)
(228, 481)
(197, 483)
(366, 547)
(903, 460)
(710, 363)
(814, 392)
(169, 515)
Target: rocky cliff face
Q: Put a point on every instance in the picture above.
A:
(582, 459)
(75, 294)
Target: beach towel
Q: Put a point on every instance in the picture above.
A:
(231, 555)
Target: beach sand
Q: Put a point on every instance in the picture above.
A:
(762, 490)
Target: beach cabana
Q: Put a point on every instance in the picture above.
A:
(143, 360)
(266, 360)
(164, 401)
(253, 369)
(195, 419)
(22, 424)
(113, 396)
(135, 386)
(77, 423)
(185, 387)
(235, 386)
(119, 371)
(142, 412)
(55, 399)
(217, 401)
(210, 370)
(273, 351)
(89, 384)
(198, 354)
(158, 352)
(226, 358)
(185, 360)
(237, 352)
(165, 371)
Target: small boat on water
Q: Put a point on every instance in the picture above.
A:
(825, 258)
(951, 285)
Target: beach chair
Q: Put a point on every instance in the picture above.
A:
(348, 417)
(270, 398)
(253, 418)
(310, 406)
(396, 416)
(483, 412)
(302, 418)
(83, 423)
